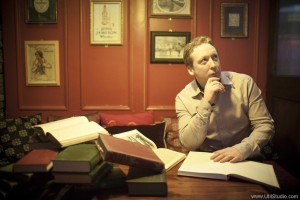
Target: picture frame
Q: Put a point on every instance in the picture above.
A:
(106, 22)
(167, 47)
(41, 11)
(42, 63)
(234, 20)
(170, 9)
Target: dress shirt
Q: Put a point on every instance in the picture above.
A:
(239, 117)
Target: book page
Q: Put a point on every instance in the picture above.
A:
(255, 171)
(77, 133)
(136, 136)
(60, 124)
(169, 157)
(199, 164)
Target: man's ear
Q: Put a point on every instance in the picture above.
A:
(191, 71)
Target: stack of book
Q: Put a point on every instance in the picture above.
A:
(80, 163)
(31, 173)
(147, 163)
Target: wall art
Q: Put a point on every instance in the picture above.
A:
(41, 11)
(167, 47)
(234, 20)
(42, 63)
(106, 22)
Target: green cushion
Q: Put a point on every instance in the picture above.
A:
(14, 136)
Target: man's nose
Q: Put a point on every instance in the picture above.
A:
(213, 64)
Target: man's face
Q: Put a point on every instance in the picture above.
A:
(206, 63)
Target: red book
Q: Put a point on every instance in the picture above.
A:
(128, 153)
(37, 160)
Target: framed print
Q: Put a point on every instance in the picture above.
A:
(167, 47)
(234, 20)
(41, 11)
(167, 8)
(106, 22)
(42, 63)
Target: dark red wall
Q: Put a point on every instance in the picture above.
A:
(120, 78)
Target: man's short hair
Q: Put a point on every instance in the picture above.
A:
(189, 48)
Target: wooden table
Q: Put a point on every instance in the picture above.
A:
(180, 187)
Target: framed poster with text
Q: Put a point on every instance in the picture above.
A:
(106, 22)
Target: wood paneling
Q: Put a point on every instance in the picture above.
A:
(119, 78)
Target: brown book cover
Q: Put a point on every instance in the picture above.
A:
(37, 160)
(128, 153)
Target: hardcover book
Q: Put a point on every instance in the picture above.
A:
(97, 173)
(69, 131)
(199, 164)
(142, 182)
(116, 178)
(37, 160)
(169, 157)
(6, 172)
(77, 158)
(128, 153)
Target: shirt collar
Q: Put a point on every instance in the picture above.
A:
(197, 89)
(226, 78)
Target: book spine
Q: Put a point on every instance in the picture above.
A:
(95, 161)
(133, 161)
(105, 168)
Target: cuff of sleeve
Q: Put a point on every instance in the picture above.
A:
(204, 109)
(244, 148)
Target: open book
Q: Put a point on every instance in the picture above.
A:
(169, 157)
(199, 164)
(69, 131)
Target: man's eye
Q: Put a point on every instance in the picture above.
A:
(203, 61)
(215, 57)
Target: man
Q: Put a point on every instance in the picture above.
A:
(219, 111)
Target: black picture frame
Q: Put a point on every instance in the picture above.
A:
(41, 11)
(234, 20)
(167, 47)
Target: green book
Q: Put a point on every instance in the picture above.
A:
(96, 174)
(8, 185)
(77, 158)
(7, 173)
(116, 178)
(143, 182)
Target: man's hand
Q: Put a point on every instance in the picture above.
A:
(228, 154)
(212, 88)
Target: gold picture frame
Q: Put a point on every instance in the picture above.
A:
(41, 11)
(42, 63)
(106, 22)
(170, 9)
(234, 20)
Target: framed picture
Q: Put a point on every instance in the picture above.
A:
(172, 9)
(42, 63)
(106, 22)
(41, 11)
(167, 47)
(234, 20)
